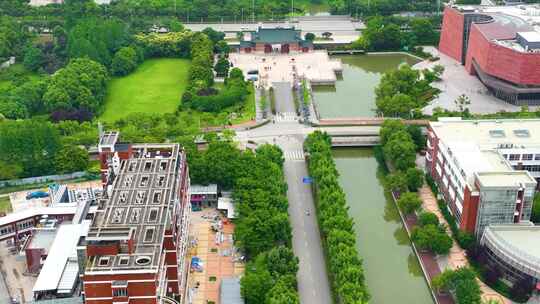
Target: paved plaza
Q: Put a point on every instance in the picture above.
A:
(457, 81)
(316, 66)
(218, 260)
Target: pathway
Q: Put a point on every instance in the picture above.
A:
(457, 257)
(285, 108)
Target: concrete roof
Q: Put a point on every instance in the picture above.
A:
(202, 189)
(489, 133)
(63, 248)
(226, 203)
(523, 239)
(42, 238)
(31, 212)
(230, 291)
(505, 179)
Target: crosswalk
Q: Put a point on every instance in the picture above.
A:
(285, 117)
(294, 155)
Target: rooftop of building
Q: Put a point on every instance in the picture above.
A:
(61, 270)
(274, 35)
(489, 133)
(507, 21)
(41, 239)
(518, 241)
(138, 207)
(505, 179)
(203, 189)
(109, 138)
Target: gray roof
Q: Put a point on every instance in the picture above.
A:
(230, 291)
(202, 189)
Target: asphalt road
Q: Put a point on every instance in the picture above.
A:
(284, 97)
(313, 285)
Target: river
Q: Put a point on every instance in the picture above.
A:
(393, 274)
(354, 92)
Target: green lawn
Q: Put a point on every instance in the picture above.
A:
(155, 87)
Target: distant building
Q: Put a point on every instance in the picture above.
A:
(514, 251)
(499, 44)
(485, 169)
(135, 249)
(274, 40)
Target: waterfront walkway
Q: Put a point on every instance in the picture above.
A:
(457, 257)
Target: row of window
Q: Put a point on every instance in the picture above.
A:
(514, 157)
(20, 226)
(530, 168)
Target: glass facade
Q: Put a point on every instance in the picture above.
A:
(496, 207)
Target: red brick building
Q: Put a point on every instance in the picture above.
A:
(275, 40)
(499, 45)
(135, 249)
(483, 169)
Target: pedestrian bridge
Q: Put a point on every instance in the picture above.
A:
(359, 136)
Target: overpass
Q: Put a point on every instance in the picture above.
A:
(358, 136)
(365, 121)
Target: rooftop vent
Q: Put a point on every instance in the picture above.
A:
(149, 235)
(497, 133)
(522, 133)
(144, 181)
(123, 261)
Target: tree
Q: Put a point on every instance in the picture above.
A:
(400, 150)
(381, 36)
(409, 202)
(432, 237)
(271, 153)
(397, 181)
(415, 178)
(423, 31)
(222, 67)
(309, 37)
(80, 85)
(214, 35)
(10, 170)
(419, 139)
(222, 47)
(389, 127)
(283, 292)
(33, 58)
(255, 284)
(461, 102)
(438, 70)
(124, 61)
(71, 159)
(462, 283)
(428, 218)
(535, 215)
(281, 261)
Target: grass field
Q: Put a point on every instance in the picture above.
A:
(155, 87)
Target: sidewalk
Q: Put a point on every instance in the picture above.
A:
(457, 257)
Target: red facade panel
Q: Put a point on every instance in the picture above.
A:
(470, 211)
(451, 42)
(502, 62)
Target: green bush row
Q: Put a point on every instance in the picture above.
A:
(336, 225)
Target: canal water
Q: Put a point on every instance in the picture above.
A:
(393, 274)
(354, 92)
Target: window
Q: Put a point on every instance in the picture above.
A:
(514, 157)
(149, 235)
(527, 157)
(153, 215)
(120, 292)
(123, 261)
(522, 133)
(537, 157)
(104, 261)
(505, 156)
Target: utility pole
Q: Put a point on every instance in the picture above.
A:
(292, 10)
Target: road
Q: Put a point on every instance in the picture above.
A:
(313, 285)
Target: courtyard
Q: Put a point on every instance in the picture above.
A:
(455, 82)
(316, 66)
(217, 255)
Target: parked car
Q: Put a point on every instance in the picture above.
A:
(36, 194)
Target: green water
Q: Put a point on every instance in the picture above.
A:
(354, 92)
(392, 271)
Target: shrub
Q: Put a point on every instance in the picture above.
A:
(428, 218)
(409, 202)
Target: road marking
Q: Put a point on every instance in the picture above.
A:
(294, 155)
(285, 117)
